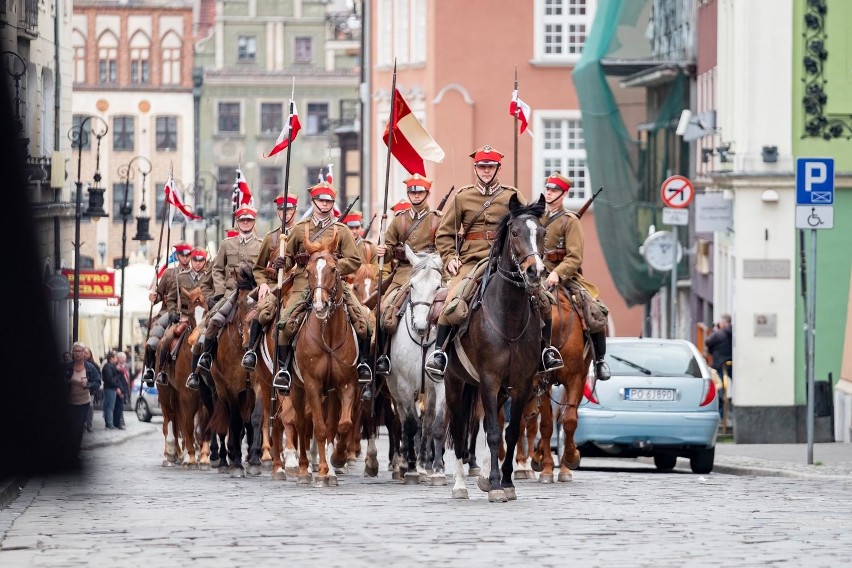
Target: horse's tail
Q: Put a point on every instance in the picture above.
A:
(247, 400)
(221, 420)
(202, 423)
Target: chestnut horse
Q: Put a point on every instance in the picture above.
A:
(325, 356)
(569, 338)
(498, 356)
(179, 403)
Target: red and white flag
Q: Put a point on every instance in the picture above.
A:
(411, 143)
(329, 176)
(243, 189)
(173, 197)
(285, 138)
(523, 110)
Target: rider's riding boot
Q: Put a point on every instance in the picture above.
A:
(250, 358)
(601, 368)
(383, 363)
(281, 380)
(192, 379)
(365, 375)
(436, 364)
(162, 376)
(550, 357)
(148, 374)
(205, 362)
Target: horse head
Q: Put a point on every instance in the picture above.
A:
(195, 302)
(323, 278)
(425, 283)
(520, 241)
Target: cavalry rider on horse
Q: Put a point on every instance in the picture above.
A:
(244, 247)
(198, 276)
(415, 225)
(563, 255)
(464, 238)
(166, 293)
(321, 224)
(266, 277)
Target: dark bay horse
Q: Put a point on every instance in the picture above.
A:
(325, 356)
(502, 345)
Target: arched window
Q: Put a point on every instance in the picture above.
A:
(140, 48)
(78, 44)
(107, 55)
(171, 49)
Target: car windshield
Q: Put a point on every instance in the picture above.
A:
(666, 359)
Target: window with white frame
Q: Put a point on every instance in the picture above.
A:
(317, 119)
(401, 31)
(561, 27)
(384, 33)
(140, 46)
(78, 42)
(418, 31)
(246, 49)
(107, 56)
(271, 118)
(229, 118)
(560, 148)
(303, 49)
(170, 49)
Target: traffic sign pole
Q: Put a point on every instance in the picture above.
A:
(809, 342)
(673, 303)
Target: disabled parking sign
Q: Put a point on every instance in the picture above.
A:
(815, 181)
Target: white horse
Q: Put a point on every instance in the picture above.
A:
(407, 381)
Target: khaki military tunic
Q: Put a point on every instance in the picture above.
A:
(166, 287)
(564, 242)
(421, 238)
(232, 252)
(190, 280)
(269, 249)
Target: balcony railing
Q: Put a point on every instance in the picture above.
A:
(29, 21)
(345, 26)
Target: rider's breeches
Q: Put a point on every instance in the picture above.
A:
(453, 289)
(219, 316)
(158, 331)
(266, 309)
(358, 313)
(599, 343)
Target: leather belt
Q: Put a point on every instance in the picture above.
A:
(555, 255)
(481, 236)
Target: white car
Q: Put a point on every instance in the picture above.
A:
(147, 403)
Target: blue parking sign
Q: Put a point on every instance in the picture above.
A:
(815, 181)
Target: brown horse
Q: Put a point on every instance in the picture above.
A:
(178, 403)
(568, 337)
(324, 363)
(498, 357)
(235, 397)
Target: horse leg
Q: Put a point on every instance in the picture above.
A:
(278, 471)
(354, 445)
(189, 407)
(544, 455)
(320, 433)
(298, 401)
(337, 439)
(235, 437)
(291, 432)
(570, 455)
(438, 434)
(254, 433)
(491, 427)
(458, 406)
(409, 431)
(369, 420)
(263, 392)
(474, 419)
(512, 435)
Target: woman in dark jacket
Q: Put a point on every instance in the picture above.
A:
(82, 378)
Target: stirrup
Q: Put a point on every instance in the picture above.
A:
(436, 365)
(555, 360)
(192, 382)
(205, 361)
(281, 381)
(383, 365)
(249, 360)
(602, 372)
(162, 378)
(365, 375)
(148, 377)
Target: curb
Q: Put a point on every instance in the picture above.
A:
(10, 489)
(758, 471)
(115, 441)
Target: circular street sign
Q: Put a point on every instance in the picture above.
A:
(677, 191)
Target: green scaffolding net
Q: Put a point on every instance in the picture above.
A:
(629, 170)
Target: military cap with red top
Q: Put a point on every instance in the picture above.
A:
(292, 200)
(558, 181)
(323, 190)
(353, 219)
(232, 232)
(199, 253)
(401, 205)
(245, 212)
(183, 248)
(486, 156)
(418, 183)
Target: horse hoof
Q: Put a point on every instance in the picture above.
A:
(341, 470)
(370, 471)
(167, 463)
(351, 462)
(424, 477)
(483, 483)
(214, 463)
(460, 494)
(437, 479)
(266, 465)
(390, 466)
(573, 465)
(190, 465)
(321, 481)
(254, 469)
(520, 474)
(497, 496)
(332, 481)
(411, 478)
(237, 472)
(396, 475)
(545, 478)
(223, 468)
(338, 464)
(473, 472)
(292, 471)
(304, 479)
(510, 493)
(565, 476)
(204, 467)
(279, 475)
(536, 466)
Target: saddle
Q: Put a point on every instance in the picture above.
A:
(178, 338)
(437, 306)
(593, 312)
(391, 315)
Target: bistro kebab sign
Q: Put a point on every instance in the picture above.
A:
(94, 284)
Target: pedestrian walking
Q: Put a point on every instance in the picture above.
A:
(80, 376)
(112, 387)
(124, 384)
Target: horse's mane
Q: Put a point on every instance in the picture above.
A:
(245, 277)
(423, 261)
(535, 209)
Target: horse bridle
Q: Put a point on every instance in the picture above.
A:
(516, 278)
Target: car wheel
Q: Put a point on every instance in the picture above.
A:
(702, 461)
(665, 461)
(143, 413)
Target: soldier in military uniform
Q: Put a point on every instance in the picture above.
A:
(197, 276)
(244, 247)
(563, 255)
(320, 225)
(267, 277)
(367, 249)
(464, 238)
(415, 225)
(166, 287)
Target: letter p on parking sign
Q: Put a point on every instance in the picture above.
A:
(815, 181)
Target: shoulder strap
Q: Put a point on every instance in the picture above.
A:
(485, 206)
(554, 218)
(413, 227)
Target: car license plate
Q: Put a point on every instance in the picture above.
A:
(649, 394)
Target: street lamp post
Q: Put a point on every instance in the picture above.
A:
(76, 135)
(214, 191)
(126, 171)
